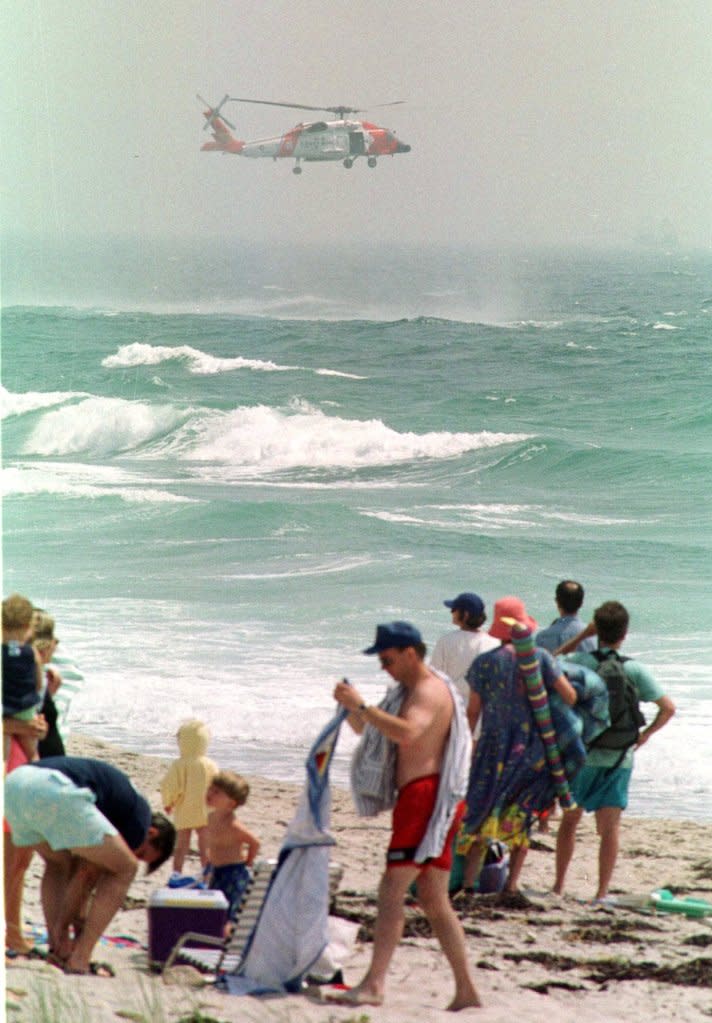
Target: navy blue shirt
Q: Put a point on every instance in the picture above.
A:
(116, 797)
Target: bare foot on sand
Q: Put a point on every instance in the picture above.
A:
(353, 996)
(470, 1000)
(15, 941)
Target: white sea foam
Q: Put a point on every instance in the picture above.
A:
(337, 373)
(202, 363)
(19, 404)
(249, 440)
(665, 326)
(262, 439)
(487, 517)
(297, 571)
(485, 521)
(79, 482)
(101, 426)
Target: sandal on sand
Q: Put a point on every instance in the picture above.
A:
(96, 969)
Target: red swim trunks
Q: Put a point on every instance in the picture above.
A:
(411, 814)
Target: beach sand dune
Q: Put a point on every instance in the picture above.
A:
(536, 958)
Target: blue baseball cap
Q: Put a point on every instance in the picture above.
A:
(469, 602)
(394, 634)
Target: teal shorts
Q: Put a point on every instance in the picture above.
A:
(44, 805)
(596, 787)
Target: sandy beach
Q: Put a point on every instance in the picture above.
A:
(534, 958)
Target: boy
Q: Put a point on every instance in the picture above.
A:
(231, 847)
(22, 677)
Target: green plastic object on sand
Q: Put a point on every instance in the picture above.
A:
(665, 902)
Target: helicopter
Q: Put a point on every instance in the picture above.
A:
(341, 139)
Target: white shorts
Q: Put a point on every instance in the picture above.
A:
(44, 805)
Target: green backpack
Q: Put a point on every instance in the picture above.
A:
(623, 705)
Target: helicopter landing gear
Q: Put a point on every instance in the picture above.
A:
(297, 169)
(348, 163)
(372, 161)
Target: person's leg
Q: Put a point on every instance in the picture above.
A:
(118, 868)
(17, 860)
(517, 857)
(181, 849)
(474, 860)
(83, 880)
(433, 896)
(565, 845)
(608, 820)
(53, 888)
(29, 746)
(387, 933)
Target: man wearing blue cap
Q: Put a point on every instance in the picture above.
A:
(455, 651)
(413, 757)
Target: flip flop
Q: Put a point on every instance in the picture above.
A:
(32, 953)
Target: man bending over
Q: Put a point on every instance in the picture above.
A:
(91, 827)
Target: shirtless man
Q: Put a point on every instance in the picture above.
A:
(420, 731)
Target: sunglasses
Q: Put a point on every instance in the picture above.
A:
(386, 660)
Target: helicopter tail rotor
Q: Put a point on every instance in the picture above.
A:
(212, 113)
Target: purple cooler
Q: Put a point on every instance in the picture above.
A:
(173, 911)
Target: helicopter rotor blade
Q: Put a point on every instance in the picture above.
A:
(274, 103)
(340, 111)
(395, 103)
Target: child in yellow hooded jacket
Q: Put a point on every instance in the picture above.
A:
(184, 787)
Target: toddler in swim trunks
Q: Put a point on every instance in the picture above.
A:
(231, 847)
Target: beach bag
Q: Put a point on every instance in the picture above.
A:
(493, 875)
(623, 705)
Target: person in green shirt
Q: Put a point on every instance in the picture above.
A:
(601, 786)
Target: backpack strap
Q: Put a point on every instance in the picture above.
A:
(610, 652)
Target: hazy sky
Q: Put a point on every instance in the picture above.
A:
(588, 120)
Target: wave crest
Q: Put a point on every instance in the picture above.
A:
(20, 404)
(200, 363)
(101, 426)
(266, 439)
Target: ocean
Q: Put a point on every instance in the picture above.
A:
(224, 464)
